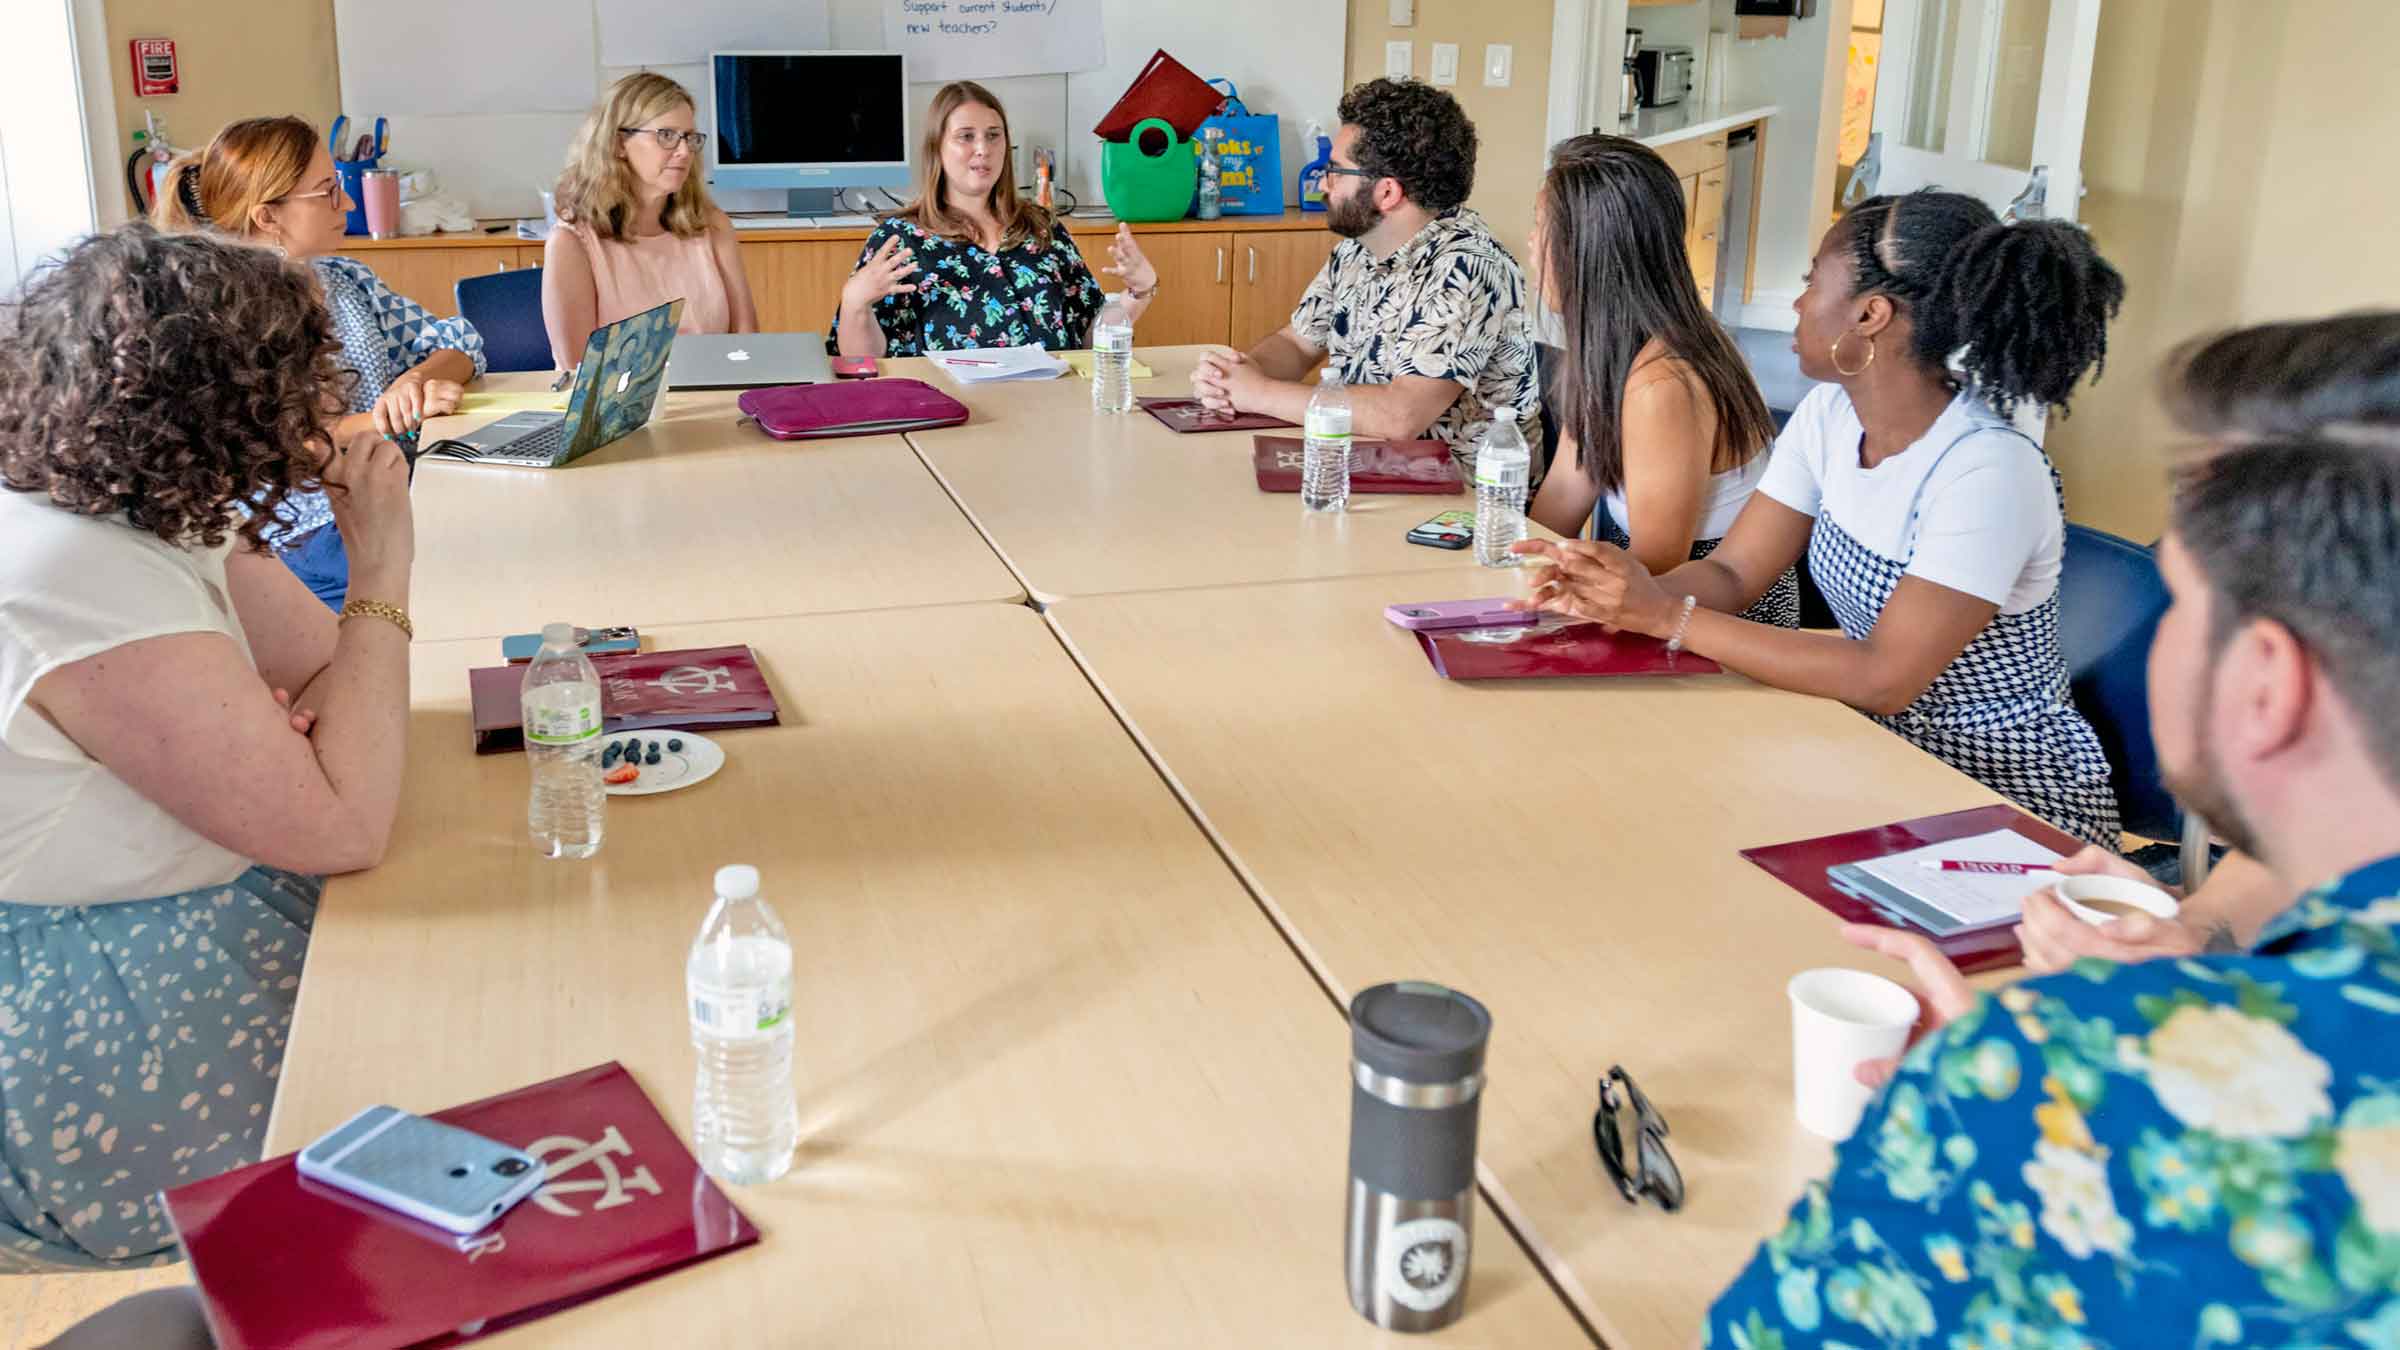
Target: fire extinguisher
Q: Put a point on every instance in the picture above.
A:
(148, 170)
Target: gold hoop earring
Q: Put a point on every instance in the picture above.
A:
(1862, 367)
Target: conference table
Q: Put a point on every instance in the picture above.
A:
(1078, 890)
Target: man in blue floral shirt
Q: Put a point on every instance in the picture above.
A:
(2190, 1152)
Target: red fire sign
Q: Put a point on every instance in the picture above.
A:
(153, 66)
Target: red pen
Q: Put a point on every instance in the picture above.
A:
(1997, 869)
(967, 361)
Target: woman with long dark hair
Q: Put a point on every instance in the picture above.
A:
(1934, 526)
(1663, 434)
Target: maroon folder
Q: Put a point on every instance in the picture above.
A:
(1802, 866)
(1165, 89)
(1379, 467)
(1187, 414)
(1538, 653)
(698, 687)
(286, 1264)
(803, 412)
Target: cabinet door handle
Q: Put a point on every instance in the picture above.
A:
(1253, 265)
(1220, 267)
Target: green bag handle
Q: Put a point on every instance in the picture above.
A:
(1162, 124)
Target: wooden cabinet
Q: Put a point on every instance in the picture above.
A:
(1700, 164)
(1195, 283)
(430, 274)
(797, 284)
(1274, 273)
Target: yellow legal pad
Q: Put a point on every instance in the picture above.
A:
(1080, 360)
(539, 400)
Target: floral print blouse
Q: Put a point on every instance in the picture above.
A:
(2180, 1153)
(1038, 294)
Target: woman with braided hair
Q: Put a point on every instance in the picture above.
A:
(1934, 526)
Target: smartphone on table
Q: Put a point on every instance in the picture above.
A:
(451, 1178)
(523, 647)
(1450, 529)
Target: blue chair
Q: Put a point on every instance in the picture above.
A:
(2110, 597)
(506, 308)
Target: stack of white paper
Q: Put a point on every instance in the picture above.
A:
(984, 365)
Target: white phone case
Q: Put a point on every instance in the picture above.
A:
(452, 1178)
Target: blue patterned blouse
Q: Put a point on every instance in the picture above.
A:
(1034, 294)
(2181, 1153)
(384, 335)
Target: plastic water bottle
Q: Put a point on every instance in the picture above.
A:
(560, 705)
(1112, 358)
(738, 980)
(1503, 466)
(1325, 454)
(1212, 191)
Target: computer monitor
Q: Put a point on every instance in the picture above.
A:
(809, 122)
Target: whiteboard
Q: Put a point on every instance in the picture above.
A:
(436, 58)
(684, 32)
(990, 39)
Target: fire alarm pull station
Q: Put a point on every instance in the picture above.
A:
(153, 66)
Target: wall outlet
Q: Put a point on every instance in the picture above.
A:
(1497, 61)
(1445, 63)
(1404, 13)
(1399, 60)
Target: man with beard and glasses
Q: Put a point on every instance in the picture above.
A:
(1419, 310)
(2203, 1151)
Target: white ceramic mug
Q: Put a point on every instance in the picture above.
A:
(2083, 897)
(1841, 1019)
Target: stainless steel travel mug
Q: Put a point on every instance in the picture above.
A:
(1416, 1086)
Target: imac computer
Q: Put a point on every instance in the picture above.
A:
(811, 123)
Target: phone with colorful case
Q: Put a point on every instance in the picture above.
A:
(854, 367)
(1450, 529)
(523, 647)
(1490, 612)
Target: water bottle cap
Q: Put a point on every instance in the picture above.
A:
(558, 635)
(737, 882)
(1419, 1032)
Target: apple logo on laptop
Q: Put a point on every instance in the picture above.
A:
(624, 378)
(737, 354)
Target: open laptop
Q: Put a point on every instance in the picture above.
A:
(748, 360)
(624, 367)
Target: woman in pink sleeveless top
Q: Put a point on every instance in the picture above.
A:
(636, 228)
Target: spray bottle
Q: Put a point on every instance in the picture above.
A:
(1312, 175)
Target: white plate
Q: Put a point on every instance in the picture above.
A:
(699, 758)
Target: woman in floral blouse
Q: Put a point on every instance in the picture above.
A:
(970, 264)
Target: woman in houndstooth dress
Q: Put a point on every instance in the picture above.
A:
(1935, 528)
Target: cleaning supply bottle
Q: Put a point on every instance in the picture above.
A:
(1312, 174)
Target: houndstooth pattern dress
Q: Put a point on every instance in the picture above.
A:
(1999, 713)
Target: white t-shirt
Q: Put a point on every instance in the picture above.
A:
(1728, 493)
(1986, 516)
(71, 587)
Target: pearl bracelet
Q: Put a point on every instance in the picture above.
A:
(1683, 624)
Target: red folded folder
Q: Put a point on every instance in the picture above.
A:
(1802, 865)
(696, 688)
(1187, 414)
(1381, 467)
(285, 1264)
(1168, 90)
(802, 412)
(1537, 652)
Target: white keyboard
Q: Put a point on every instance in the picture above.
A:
(799, 222)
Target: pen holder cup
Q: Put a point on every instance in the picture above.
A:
(353, 176)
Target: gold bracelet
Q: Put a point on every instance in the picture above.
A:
(376, 609)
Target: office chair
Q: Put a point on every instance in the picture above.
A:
(506, 308)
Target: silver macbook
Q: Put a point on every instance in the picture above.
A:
(747, 360)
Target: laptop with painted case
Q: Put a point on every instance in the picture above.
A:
(748, 360)
(616, 388)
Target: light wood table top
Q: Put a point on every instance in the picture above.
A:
(1061, 1084)
(1565, 851)
(694, 518)
(1080, 503)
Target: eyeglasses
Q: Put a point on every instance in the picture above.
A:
(330, 189)
(668, 137)
(1654, 1171)
(1337, 171)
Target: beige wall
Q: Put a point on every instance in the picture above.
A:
(1510, 122)
(2238, 161)
(251, 59)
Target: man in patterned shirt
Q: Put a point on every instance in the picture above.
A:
(2190, 1152)
(1419, 310)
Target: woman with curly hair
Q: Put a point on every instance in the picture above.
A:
(1934, 526)
(635, 225)
(187, 738)
(270, 180)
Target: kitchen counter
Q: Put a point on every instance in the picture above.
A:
(1655, 127)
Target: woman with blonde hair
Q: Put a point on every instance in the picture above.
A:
(270, 180)
(990, 269)
(636, 227)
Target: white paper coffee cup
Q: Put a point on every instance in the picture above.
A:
(1840, 1020)
(2085, 896)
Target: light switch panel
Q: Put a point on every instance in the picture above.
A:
(1497, 59)
(1399, 59)
(1404, 13)
(1445, 63)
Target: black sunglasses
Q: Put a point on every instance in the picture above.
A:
(1654, 1171)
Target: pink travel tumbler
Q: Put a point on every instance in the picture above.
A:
(380, 194)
